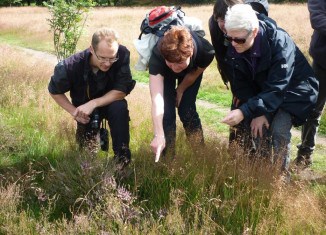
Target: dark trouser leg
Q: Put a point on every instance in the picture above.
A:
(240, 136)
(188, 113)
(169, 118)
(87, 137)
(117, 114)
(281, 137)
(310, 128)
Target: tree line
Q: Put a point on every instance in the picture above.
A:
(125, 2)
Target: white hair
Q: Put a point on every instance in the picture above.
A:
(241, 17)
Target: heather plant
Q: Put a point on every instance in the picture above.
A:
(235, 196)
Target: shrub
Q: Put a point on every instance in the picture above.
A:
(67, 22)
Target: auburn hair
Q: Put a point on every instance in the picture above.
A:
(177, 44)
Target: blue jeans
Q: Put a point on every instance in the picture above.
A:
(280, 130)
(187, 112)
(310, 128)
(276, 141)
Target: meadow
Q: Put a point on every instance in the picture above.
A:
(49, 187)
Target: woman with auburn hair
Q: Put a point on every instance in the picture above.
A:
(176, 69)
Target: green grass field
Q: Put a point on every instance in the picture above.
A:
(48, 186)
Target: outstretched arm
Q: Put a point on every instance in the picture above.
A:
(156, 86)
(64, 102)
(187, 81)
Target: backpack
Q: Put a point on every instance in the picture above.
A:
(155, 24)
(160, 19)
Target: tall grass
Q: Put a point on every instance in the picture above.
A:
(47, 186)
(28, 27)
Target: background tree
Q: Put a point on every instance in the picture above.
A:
(67, 22)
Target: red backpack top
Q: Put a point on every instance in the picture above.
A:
(160, 19)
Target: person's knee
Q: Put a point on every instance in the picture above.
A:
(187, 115)
(281, 135)
(314, 115)
(117, 109)
(119, 105)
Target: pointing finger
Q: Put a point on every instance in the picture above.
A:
(158, 153)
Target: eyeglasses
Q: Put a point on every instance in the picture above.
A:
(237, 40)
(104, 60)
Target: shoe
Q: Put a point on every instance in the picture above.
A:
(121, 162)
(305, 161)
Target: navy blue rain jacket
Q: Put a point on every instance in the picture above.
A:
(281, 77)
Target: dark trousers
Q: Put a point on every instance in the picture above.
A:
(117, 114)
(186, 111)
(240, 136)
(310, 128)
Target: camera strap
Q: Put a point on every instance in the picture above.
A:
(103, 123)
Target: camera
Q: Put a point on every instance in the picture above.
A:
(96, 127)
(95, 120)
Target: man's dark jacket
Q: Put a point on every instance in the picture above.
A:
(279, 77)
(75, 74)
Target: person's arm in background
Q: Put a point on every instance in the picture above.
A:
(187, 81)
(204, 56)
(317, 10)
(217, 39)
(156, 86)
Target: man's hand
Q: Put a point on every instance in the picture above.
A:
(82, 120)
(257, 124)
(233, 118)
(82, 112)
(158, 144)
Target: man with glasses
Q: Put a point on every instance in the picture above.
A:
(98, 80)
(270, 77)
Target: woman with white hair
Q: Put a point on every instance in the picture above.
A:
(274, 84)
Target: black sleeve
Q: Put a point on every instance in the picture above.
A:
(317, 11)
(156, 63)
(122, 77)
(59, 82)
(220, 47)
(205, 52)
